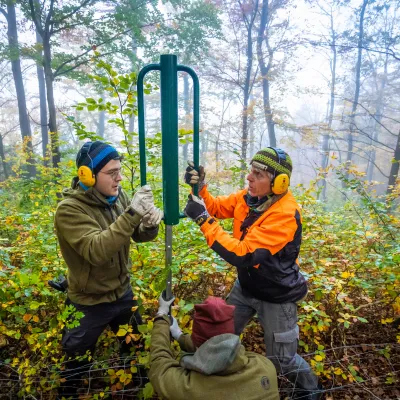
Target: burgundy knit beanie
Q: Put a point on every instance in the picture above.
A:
(211, 318)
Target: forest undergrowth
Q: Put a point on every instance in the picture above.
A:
(348, 322)
(349, 330)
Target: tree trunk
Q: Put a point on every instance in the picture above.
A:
(251, 127)
(19, 86)
(102, 123)
(134, 69)
(264, 70)
(394, 170)
(247, 90)
(378, 118)
(102, 120)
(326, 137)
(246, 95)
(55, 149)
(357, 84)
(42, 98)
(3, 159)
(217, 154)
(204, 145)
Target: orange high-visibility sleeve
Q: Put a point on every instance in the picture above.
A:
(272, 233)
(221, 207)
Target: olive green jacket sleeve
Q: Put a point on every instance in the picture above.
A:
(165, 374)
(85, 235)
(142, 234)
(186, 343)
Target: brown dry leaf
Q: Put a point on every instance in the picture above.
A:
(27, 317)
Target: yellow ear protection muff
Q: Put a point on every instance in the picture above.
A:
(85, 173)
(281, 181)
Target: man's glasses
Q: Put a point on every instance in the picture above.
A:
(113, 174)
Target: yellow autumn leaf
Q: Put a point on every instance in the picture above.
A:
(122, 332)
(35, 318)
(338, 371)
(345, 274)
(318, 357)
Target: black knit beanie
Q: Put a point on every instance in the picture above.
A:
(268, 159)
(96, 155)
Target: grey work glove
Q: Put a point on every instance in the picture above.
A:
(143, 201)
(164, 305)
(153, 218)
(194, 177)
(175, 330)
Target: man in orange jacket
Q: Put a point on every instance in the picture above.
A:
(264, 248)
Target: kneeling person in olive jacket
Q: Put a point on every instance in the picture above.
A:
(216, 366)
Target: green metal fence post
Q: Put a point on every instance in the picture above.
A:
(169, 139)
(169, 142)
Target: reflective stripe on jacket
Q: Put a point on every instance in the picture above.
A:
(266, 257)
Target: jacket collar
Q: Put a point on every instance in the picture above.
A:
(262, 204)
(220, 355)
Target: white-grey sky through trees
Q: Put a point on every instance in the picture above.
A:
(300, 95)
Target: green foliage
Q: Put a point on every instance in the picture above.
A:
(350, 256)
(189, 37)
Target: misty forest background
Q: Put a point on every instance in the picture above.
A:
(320, 79)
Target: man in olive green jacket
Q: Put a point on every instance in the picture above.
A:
(95, 223)
(217, 366)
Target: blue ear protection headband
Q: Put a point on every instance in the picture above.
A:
(85, 173)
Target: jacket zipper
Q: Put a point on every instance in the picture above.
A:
(109, 208)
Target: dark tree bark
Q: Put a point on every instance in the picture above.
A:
(249, 23)
(203, 145)
(25, 126)
(42, 98)
(357, 83)
(394, 170)
(3, 159)
(135, 69)
(264, 70)
(55, 147)
(326, 136)
(377, 123)
(45, 31)
(101, 126)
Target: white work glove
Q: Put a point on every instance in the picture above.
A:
(164, 305)
(152, 218)
(175, 330)
(143, 201)
(193, 177)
